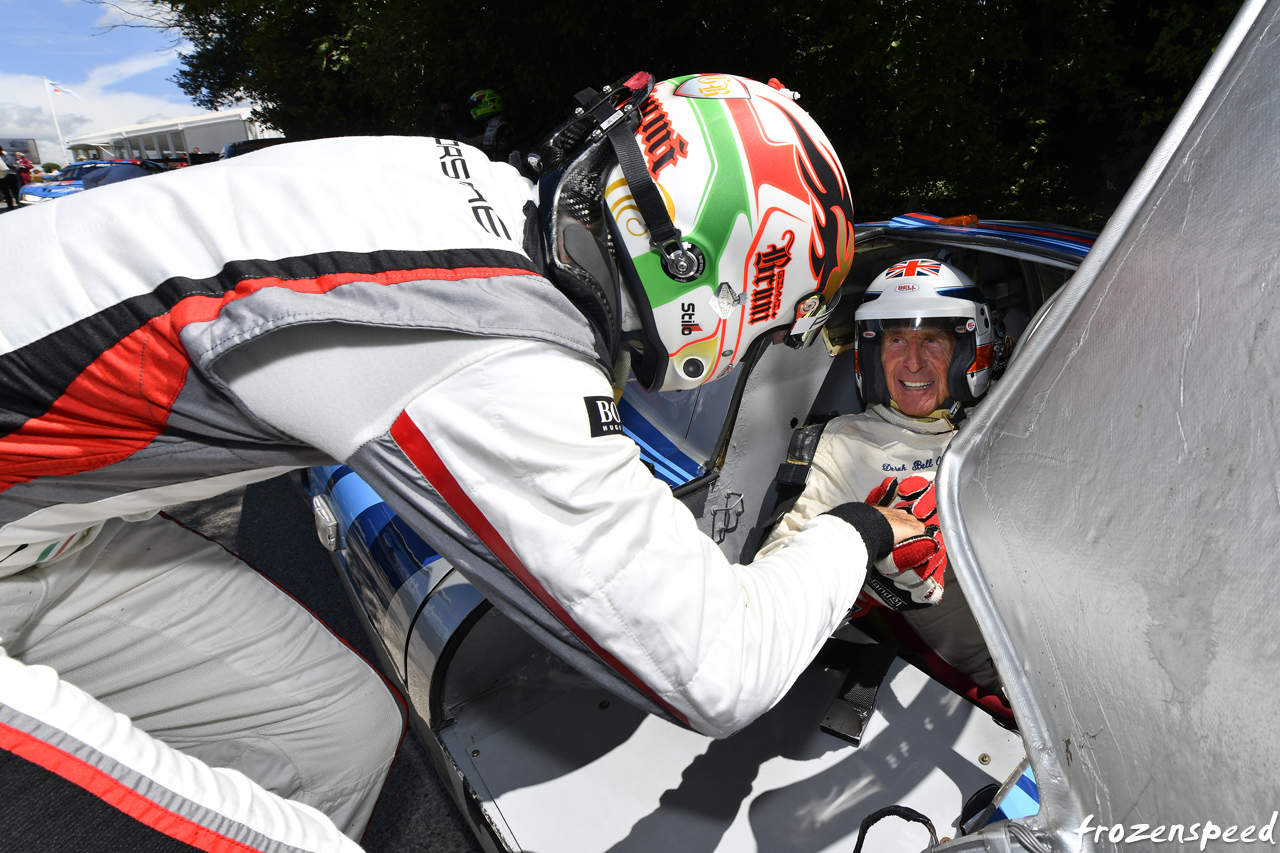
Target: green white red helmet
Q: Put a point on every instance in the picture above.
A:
(726, 210)
(926, 293)
(762, 203)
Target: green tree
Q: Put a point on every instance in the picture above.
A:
(1028, 109)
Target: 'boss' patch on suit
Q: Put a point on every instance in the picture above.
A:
(602, 413)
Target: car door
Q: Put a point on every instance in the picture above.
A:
(1114, 510)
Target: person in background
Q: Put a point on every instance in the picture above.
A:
(452, 122)
(496, 134)
(10, 183)
(24, 168)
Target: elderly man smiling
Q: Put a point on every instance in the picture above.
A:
(925, 343)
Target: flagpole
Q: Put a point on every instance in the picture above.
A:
(54, 113)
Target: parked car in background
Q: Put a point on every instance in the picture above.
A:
(540, 758)
(84, 175)
(246, 146)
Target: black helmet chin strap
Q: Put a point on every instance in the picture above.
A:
(614, 113)
(663, 233)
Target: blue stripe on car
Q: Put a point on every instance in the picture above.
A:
(1046, 237)
(1022, 800)
(336, 473)
(670, 464)
(383, 541)
(350, 497)
(369, 523)
(1027, 782)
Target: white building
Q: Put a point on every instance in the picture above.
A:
(170, 138)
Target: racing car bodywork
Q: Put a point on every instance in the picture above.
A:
(541, 758)
(1113, 503)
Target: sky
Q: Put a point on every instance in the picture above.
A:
(121, 74)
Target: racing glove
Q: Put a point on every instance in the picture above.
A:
(916, 566)
(883, 494)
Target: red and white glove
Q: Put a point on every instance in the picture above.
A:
(916, 566)
(883, 494)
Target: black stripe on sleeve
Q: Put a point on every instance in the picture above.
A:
(33, 377)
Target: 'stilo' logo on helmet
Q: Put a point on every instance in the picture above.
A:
(766, 296)
(913, 268)
(662, 147)
(688, 319)
(906, 287)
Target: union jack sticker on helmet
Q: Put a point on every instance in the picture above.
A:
(916, 267)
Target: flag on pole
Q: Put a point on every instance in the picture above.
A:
(61, 90)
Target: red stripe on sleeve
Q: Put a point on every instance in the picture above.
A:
(122, 401)
(415, 445)
(116, 794)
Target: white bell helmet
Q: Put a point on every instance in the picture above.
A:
(926, 293)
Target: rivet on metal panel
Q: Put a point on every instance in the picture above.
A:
(984, 759)
(475, 753)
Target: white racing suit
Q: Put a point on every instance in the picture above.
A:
(855, 454)
(172, 337)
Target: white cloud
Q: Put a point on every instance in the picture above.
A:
(24, 111)
(105, 75)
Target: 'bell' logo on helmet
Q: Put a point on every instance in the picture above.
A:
(906, 288)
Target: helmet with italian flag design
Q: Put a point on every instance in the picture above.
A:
(763, 224)
(925, 293)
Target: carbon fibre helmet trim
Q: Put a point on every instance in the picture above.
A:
(576, 157)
